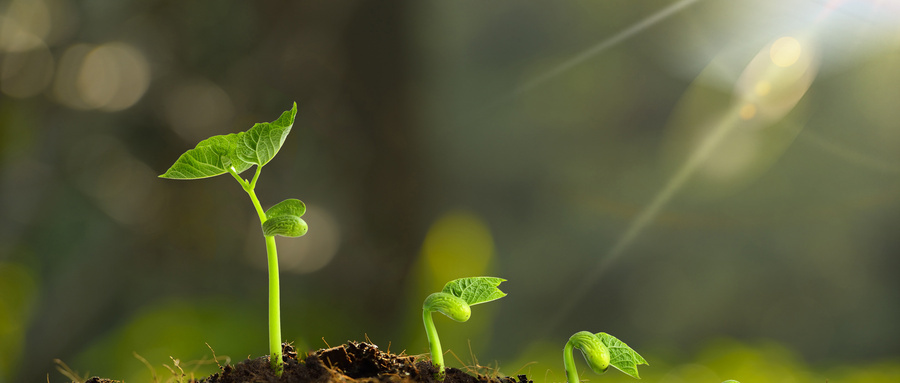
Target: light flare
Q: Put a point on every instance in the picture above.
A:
(777, 78)
(769, 87)
(747, 111)
(785, 51)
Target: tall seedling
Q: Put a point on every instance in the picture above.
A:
(233, 154)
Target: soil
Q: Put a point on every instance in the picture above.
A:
(351, 362)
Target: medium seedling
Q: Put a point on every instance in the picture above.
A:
(233, 154)
(600, 350)
(454, 301)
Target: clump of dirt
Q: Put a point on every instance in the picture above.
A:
(351, 362)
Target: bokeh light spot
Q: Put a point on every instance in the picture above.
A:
(747, 111)
(308, 253)
(113, 77)
(25, 25)
(459, 244)
(785, 51)
(65, 90)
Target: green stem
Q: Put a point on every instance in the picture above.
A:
(274, 307)
(437, 353)
(274, 289)
(596, 354)
(569, 362)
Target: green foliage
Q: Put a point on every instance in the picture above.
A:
(261, 143)
(237, 151)
(475, 290)
(454, 301)
(600, 350)
(212, 156)
(622, 357)
(234, 153)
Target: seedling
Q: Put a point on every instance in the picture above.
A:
(233, 154)
(600, 350)
(454, 301)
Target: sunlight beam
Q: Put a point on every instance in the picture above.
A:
(649, 213)
(602, 46)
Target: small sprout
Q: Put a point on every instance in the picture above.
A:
(454, 301)
(600, 350)
(233, 154)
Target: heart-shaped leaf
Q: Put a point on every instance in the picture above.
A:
(621, 356)
(215, 155)
(261, 143)
(212, 156)
(475, 290)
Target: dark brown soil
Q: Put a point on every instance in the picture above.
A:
(352, 362)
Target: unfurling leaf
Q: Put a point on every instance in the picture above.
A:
(475, 290)
(621, 356)
(285, 226)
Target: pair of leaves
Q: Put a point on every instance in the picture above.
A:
(622, 357)
(475, 290)
(284, 219)
(217, 154)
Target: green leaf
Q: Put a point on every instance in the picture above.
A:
(212, 156)
(285, 226)
(291, 206)
(261, 143)
(621, 356)
(475, 290)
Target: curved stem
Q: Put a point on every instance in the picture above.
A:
(596, 354)
(569, 362)
(437, 353)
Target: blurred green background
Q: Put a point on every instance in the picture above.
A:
(716, 183)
